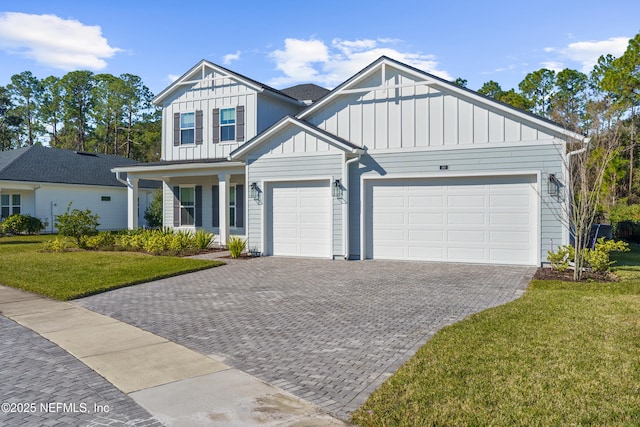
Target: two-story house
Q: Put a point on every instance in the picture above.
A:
(394, 163)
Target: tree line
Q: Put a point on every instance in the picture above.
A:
(82, 111)
(605, 101)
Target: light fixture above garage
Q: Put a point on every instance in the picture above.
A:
(553, 185)
(254, 191)
(336, 189)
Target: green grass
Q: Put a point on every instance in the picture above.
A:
(69, 275)
(563, 354)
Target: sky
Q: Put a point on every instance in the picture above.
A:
(284, 43)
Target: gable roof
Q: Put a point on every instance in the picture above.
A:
(256, 141)
(306, 92)
(432, 80)
(254, 84)
(54, 165)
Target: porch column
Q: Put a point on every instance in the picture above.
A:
(132, 202)
(223, 206)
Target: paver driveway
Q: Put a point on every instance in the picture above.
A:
(328, 331)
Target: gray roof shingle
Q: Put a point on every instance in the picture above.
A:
(306, 92)
(54, 165)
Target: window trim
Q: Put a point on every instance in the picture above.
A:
(234, 206)
(193, 129)
(221, 125)
(182, 206)
(11, 205)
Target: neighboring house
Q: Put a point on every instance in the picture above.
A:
(42, 181)
(394, 163)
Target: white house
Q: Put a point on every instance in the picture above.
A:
(394, 163)
(42, 181)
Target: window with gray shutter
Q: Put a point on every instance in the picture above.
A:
(215, 200)
(216, 125)
(198, 127)
(176, 205)
(176, 129)
(198, 206)
(239, 206)
(240, 123)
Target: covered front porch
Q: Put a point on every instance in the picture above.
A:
(206, 195)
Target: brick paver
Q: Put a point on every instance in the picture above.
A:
(43, 385)
(327, 331)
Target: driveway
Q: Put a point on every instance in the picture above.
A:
(327, 331)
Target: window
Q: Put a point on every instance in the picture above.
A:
(187, 205)
(187, 128)
(232, 206)
(228, 124)
(9, 205)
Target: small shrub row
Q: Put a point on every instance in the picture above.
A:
(156, 242)
(597, 258)
(21, 224)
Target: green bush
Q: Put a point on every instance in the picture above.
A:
(19, 223)
(56, 245)
(561, 258)
(153, 214)
(202, 239)
(236, 246)
(598, 257)
(78, 225)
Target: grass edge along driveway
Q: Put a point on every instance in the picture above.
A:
(75, 274)
(563, 354)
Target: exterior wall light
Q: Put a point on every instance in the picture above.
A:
(553, 185)
(336, 189)
(254, 192)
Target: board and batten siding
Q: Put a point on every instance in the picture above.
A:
(270, 168)
(544, 158)
(419, 116)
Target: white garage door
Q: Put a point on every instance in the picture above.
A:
(299, 218)
(479, 219)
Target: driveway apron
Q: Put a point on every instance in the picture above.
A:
(329, 332)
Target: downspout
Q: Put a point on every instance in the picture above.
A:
(123, 181)
(345, 207)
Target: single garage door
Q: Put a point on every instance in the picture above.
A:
(479, 219)
(299, 218)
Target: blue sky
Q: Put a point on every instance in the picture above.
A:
(283, 43)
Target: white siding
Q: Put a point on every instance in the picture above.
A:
(419, 116)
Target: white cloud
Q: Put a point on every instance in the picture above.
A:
(312, 60)
(584, 54)
(66, 44)
(587, 53)
(172, 77)
(231, 57)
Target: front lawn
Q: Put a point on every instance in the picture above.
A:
(69, 275)
(563, 354)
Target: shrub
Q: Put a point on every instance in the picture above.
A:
(19, 223)
(103, 241)
(561, 258)
(202, 239)
(153, 214)
(56, 245)
(236, 246)
(598, 257)
(78, 225)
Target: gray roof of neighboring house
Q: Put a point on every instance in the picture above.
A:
(306, 92)
(54, 165)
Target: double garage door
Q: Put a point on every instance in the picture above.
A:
(479, 219)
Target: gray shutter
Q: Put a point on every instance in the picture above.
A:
(198, 205)
(240, 123)
(239, 205)
(199, 127)
(176, 206)
(176, 129)
(215, 195)
(216, 125)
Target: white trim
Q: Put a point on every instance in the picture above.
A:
(366, 179)
(484, 145)
(292, 155)
(177, 166)
(264, 185)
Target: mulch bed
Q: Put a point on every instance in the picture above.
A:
(567, 276)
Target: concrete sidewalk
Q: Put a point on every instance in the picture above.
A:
(178, 386)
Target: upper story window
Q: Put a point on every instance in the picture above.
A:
(187, 128)
(228, 124)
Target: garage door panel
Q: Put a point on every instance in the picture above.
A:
(475, 219)
(299, 219)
